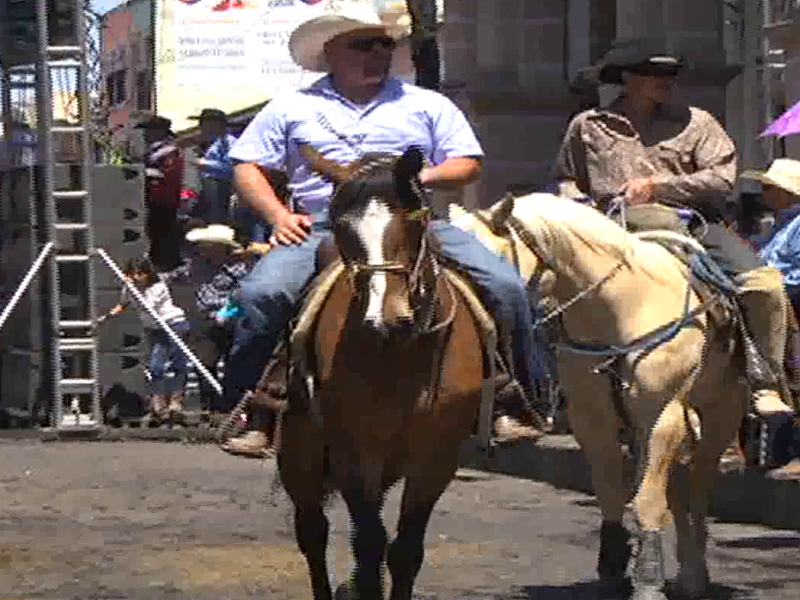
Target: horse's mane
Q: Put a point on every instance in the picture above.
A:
(556, 221)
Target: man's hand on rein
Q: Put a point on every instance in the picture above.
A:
(290, 228)
(639, 191)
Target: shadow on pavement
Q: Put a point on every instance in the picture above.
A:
(592, 590)
(767, 542)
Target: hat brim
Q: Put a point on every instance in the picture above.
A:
(764, 178)
(307, 42)
(612, 74)
(201, 118)
(201, 235)
(153, 126)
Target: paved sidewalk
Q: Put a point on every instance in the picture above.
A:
(741, 497)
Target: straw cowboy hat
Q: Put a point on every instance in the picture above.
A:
(226, 236)
(307, 42)
(783, 173)
(214, 234)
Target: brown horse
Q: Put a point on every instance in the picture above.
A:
(397, 369)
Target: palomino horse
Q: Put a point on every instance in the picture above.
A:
(622, 289)
(397, 362)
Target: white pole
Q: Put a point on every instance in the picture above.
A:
(161, 322)
(26, 281)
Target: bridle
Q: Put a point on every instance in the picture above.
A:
(413, 273)
(514, 227)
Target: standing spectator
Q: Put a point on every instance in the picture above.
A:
(166, 398)
(781, 249)
(216, 169)
(165, 166)
(221, 264)
(216, 172)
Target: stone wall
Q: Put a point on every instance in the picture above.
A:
(508, 63)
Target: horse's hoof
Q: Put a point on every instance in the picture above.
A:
(344, 592)
(692, 585)
(648, 593)
(615, 587)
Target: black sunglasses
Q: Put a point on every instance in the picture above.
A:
(367, 44)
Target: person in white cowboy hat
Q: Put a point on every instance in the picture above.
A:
(358, 107)
(220, 264)
(780, 189)
(780, 186)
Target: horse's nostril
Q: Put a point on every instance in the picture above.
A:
(401, 325)
(375, 326)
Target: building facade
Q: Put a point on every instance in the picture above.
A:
(782, 38)
(510, 63)
(126, 67)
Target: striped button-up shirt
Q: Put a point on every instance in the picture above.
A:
(400, 116)
(164, 171)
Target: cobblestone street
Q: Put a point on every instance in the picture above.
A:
(170, 521)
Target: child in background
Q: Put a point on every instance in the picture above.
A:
(166, 398)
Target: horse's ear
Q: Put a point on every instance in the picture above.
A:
(501, 212)
(322, 165)
(410, 164)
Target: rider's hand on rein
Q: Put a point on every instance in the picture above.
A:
(290, 228)
(639, 191)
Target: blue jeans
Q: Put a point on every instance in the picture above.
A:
(162, 351)
(249, 225)
(214, 202)
(272, 289)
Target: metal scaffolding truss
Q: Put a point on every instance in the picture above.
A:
(44, 39)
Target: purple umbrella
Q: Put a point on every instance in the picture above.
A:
(787, 124)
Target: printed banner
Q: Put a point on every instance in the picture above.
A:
(234, 42)
(230, 54)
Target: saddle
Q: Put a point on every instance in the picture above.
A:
(287, 375)
(658, 217)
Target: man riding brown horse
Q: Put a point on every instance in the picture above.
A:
(359, 107)
(653, 151)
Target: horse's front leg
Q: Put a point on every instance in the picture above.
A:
(595, 424)
(650, 501)
(368, 537)
(302, 467)
(425, 484)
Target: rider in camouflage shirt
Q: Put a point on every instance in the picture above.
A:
(651, 151)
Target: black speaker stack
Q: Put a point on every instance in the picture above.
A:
(118, 216)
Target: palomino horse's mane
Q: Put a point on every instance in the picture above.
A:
(554, 223)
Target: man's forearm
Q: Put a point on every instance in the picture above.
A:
(254, 188)
(452, 173)
(696, 186)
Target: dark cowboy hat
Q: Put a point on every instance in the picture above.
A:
(155, 122)
(645, 56)
(585, 80)
(211, 114)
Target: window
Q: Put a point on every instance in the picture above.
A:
(115, 87)
(143, 90)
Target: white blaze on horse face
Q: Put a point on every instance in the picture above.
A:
(371, 230)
